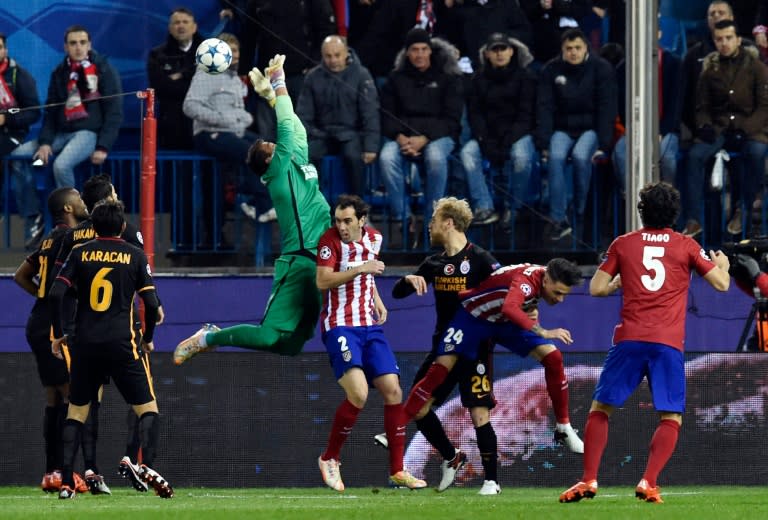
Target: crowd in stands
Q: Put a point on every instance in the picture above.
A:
(425, 91)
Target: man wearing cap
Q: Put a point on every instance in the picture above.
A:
(421, 106)
(500, 104)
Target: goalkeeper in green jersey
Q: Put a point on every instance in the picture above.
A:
(303, 214)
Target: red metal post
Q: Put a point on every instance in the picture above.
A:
(148, 175)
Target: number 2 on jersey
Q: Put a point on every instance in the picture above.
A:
(652, 262)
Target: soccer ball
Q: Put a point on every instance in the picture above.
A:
(213, 56)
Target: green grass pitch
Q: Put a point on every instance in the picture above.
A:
(718, 502)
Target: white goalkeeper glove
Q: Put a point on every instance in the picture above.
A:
(275, 71)
(262, 86)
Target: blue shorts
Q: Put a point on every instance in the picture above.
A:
(363, 347)
(465, 334)
(626, 365)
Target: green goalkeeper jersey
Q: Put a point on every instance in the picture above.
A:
(302, 211)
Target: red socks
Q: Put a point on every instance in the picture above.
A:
(422, 391)
(557, 385)
(343, 421)
(395, 428)
(595, 440)
(662, 446)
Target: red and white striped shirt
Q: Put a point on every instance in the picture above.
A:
(506, 295)
(350, 304)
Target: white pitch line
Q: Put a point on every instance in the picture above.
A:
(289, 497)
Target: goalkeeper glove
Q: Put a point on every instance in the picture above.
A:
(275, 71)
(262, 86)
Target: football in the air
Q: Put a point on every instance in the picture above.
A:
(213, 56)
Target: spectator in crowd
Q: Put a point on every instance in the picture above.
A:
(18, 90)
(388, 23)
(361, 14)
(421, 104)
(472, 21)
(295, 28)
(501, 105)
(731, 113)
(351, 320)
(576, 109)
(694, 58)
(82, 119)
(616, 11)
(215, 104)
(339, 105)
(550, 19)
(745, 15)
(670, 101)
(654, 291)
(760, 29)
(170, 68)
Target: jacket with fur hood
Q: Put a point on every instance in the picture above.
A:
(501, 103)
(733, 92)
(428, 103)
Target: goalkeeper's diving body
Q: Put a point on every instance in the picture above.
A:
(303, 214)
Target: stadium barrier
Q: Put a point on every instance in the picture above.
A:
(189, 187)
(241, 419)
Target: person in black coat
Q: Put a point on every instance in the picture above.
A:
(421, 108)
(576, 110)
(170, 68)
(83, 115)
(339, 106)
(18, 90)
(501, 103)
(550, 18)
(295, 28)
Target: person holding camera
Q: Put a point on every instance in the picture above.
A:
(749, 276)
(731, 114)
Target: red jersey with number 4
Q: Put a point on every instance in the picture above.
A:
(655, 267)
(350, 304)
